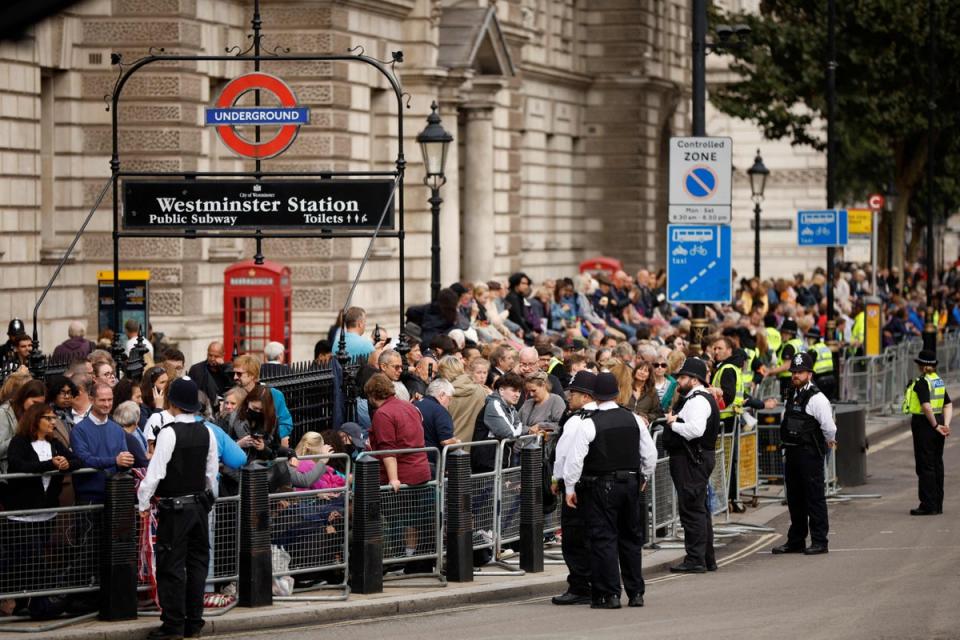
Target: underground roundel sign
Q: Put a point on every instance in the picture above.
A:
(288, 116)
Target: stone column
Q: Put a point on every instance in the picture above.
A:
(477, 222)
(450, 209)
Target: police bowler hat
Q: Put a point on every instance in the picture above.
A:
(927, 358)
(584, 382)
(802, 362)
(606, 387)
(695, 368)
(789, 325)
(813, 332)
(183, 394)
(15, 327)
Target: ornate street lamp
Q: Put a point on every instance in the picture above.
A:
(434, 143)
(758, 183)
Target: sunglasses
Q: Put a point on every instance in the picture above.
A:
(50, 418)
(660, 365)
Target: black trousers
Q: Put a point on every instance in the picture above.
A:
(612, 511)
(690, 480)
(575, 544)
(183, 552)
(928, 456)
(805, 496)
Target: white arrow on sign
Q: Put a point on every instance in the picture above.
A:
(876, 201)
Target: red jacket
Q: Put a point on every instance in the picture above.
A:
(397, 425)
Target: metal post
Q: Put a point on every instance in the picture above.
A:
(531, 509)
(459, 517)
(256, 562)
(366, 548)
(756, 239)
(874, 247)
(699, 129)
(930, 325)
(831, 171)
(119, 550)
(435, 201)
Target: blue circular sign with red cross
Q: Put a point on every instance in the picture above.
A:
(700, 182)
(288, 116)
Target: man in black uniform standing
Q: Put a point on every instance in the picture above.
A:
(575, 542)
(807, 430)
(183, 474)
(610, 455)
(930, 408)
(690, 437)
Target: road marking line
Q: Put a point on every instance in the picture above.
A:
(889, 442)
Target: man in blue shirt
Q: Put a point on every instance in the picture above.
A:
(101, 443)
(358, 345)
(437, 422)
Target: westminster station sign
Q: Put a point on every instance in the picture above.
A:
(249, 204)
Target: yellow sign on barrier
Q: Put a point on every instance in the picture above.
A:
(747, 463)
(859, 222)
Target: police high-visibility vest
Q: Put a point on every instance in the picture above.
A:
(773, 341)
(736, 406)
(554, 363)
(824, 361)
(748, 370)
(911, 403)
(797, 345)
(857, 334)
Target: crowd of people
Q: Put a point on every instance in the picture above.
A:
(484, 361)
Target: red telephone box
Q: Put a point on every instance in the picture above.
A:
(257, 307)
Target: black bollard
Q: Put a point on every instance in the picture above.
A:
(531, 509)
(366, 547)
(118, 550)
(256, 564)
(459, 518)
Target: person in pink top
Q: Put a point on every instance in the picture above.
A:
(312, 444)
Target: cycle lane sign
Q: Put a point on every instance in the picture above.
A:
(822, 228)
(699, 265)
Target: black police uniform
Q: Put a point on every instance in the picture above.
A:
(610, 490)
(691, 464)
(183, 545)
(803, 442)
(575, 541)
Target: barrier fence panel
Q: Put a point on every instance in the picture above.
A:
(663, 503)
(226, 540)
(508, 494)
(768, 450)
(483, 494)
(718, 478)
(748, 476)
(412, 522)
(312, 526)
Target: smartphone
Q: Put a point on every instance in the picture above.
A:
(376, 334)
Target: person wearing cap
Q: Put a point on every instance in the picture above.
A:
(183, 476)
(690, 437)
(9, 347)
(575, 543)
(610, 456)
(789, 347)
(807, 430)
(930, 409)
(823, 365)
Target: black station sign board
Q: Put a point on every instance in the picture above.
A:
(248, 204)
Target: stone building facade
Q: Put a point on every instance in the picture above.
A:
(561, 111)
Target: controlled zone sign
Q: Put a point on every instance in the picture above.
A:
(826, 228)
(699, 266)
(700, 180)
(225, 116)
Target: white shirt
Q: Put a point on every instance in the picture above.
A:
(95, 420)
(157, 470)
(584, 435)
(132, 341)
(156, 421)
(694, 415)
(563, 444)
(819, 407)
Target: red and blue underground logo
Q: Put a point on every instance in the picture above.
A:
(288, 116)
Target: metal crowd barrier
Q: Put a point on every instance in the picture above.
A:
(483, 495)
(313, 526)
(662, 496)
(719, 477)
(412, 522)
(748, 468)
(507, 530)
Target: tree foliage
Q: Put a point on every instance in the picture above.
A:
(882, 94)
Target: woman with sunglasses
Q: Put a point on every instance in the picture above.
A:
(665, 385)
(644, 400)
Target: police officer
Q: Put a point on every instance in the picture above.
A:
(611, 454)
(728, 378)
(690, 437)
(575, 542)
(930, 409)
(823, 365)
(183, 475)
(789, 347)
(807, 430)
(8, 349)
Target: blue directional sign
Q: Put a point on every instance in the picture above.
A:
(699, 264)
(827, 228)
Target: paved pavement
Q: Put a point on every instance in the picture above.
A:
(888, 575)
(748, 588)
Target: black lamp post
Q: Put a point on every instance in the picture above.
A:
(758, 182)
(434, 142)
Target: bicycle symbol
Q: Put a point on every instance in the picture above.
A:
(698, 250)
